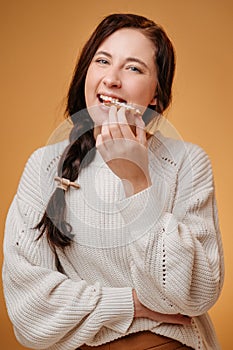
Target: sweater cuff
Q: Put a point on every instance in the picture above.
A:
(142, 211)
(116, 308)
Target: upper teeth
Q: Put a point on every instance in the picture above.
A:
(109, 99)
(116, 102)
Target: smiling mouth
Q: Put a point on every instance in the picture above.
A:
(113, 101)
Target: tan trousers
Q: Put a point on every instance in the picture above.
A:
(140, 341)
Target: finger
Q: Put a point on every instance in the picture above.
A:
(140, 130)
(101, 147)
(170, 318)
(99, 141)
(178, 319)
(105, 133)
(114, 127)
(124, 126)
(185, 320)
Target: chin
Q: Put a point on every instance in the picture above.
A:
(98, 113)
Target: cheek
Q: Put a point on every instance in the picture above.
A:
(148, 96)
(88, 87)
(91, 81)
(143, 92)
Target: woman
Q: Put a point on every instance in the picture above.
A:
(112, 240)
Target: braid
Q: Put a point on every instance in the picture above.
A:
(78, 154)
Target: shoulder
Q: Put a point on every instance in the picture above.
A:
(176, 151)
(46, 155)
(36, 183)
(176, 156)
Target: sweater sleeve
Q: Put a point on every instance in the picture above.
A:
(176, 255)
(48, 309)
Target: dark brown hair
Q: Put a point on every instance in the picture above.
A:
(80, 151)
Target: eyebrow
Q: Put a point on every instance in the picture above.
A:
(128, 59)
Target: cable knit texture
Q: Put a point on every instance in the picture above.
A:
(164, 242)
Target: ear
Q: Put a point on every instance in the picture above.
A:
(153, 102)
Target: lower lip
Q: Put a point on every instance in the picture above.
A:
(103, 107)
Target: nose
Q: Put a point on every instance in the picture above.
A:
(112, 79)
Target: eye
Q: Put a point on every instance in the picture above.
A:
(134, 69)
(102, 61)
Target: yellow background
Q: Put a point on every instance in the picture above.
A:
(40, 40)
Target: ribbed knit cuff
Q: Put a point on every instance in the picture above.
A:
(116, 308)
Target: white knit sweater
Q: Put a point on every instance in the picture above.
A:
(164, 242)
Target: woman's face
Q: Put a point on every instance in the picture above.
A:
(122, 68)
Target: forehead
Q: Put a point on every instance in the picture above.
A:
(129, 40)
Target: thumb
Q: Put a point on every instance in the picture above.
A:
(140, 130)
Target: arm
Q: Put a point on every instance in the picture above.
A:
(177, 260)
(177, 264)
(45, 306)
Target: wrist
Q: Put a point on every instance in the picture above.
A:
(138, 307)
(137, 185)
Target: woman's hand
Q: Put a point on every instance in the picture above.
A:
(142, 311)
(125, 153)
